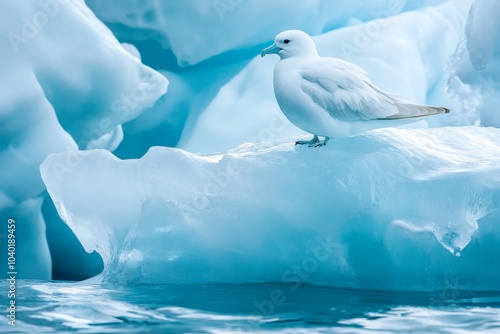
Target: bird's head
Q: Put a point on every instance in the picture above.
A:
(292, 43)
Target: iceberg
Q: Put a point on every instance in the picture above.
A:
(398, 208)
(391, 209)
(66, 84)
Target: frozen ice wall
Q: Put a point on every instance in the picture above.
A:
(476, 64)
(393, 209)
(198, 30)
(65, 83)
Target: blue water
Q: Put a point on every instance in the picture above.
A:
(56, 307)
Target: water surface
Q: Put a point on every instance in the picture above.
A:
(61, 307)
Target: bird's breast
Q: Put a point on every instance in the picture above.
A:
(288, 90)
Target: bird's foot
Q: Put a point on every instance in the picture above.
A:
(315, 142)
(308, 142)
(320, 143)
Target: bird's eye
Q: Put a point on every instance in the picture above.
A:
(286, 41)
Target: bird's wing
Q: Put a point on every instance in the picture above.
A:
(344, 91)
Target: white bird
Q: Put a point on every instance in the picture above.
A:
(330, 97)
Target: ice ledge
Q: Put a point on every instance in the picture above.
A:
(400, 199)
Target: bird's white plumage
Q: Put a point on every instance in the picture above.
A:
(331, 97)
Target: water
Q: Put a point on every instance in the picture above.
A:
(61, 307)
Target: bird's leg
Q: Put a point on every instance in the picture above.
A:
(320, 143)
(308, 142)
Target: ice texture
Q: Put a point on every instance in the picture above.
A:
(398, 58)
(392, 209)
(476, 64)
(225, 25)
(66, 83)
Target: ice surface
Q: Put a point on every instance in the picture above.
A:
(65, 83)
(198, 30)
(398, 58)
(395, 209)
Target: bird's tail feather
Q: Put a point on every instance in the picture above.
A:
(408, 110)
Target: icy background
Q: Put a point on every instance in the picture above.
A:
(211, 188)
